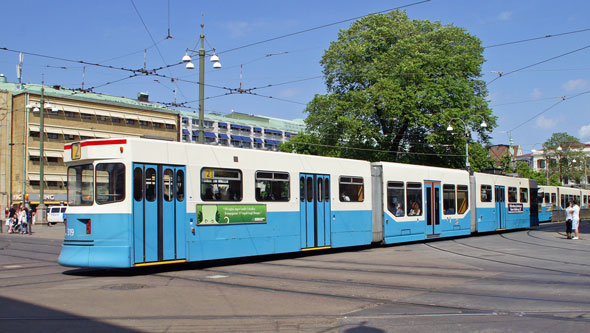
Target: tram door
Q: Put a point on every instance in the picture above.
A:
(501, 206)
(315, 210)
(432, 193)
(159, 212)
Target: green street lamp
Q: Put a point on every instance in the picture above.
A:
(450, 129)
(189, 65)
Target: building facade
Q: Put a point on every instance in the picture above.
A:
(239, 130)
(68, 116)
(71, 115)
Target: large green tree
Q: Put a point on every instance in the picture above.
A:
(564, 153)
(394, 85)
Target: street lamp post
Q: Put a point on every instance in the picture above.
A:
(450, 128)
(189, 65)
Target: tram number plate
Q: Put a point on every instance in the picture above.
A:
(70, 232)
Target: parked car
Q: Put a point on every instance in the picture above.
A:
(56, 214)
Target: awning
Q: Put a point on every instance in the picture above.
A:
(273, 131)
(257, 129)
(102, 113)
(206, 134)
(288, 134)
(240, 127)
(87, 133)
(144, 118)
(54, 130)
(87, 111)
(220, 124)
(186, 132)
(169, 121)
(48, 178)
(272, 142)
(246, 139)
(258, 140)
(53, 153)
(102, 135)
(223, 136)
(33, 128)
(34, 152)
(131, 116)
(70, 131)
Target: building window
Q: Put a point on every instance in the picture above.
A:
(69, 114)
(540, 164)
(143, 123)
(86, 116)
(169, 126)
(34, 134)
(157, 125)
(130, 121)
(116, 120)
(52, 136)
(69, 137)
(102, 118)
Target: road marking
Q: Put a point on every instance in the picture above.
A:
(13, 266)
(217, 276)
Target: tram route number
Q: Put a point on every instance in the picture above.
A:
(70, 232)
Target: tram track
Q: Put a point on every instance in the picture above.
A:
(506, 262)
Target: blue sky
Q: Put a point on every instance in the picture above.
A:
(529, 103)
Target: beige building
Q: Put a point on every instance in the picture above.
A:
(69, 116)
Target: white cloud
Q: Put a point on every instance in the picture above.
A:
(239, 29)
(575, 85)
(536, 93)
(584, 131)
(505, 16)
(289, 93)
(545, 123)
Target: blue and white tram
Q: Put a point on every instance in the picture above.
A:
(504, 202)
(547, 202)
(415, 202)
(137, 202)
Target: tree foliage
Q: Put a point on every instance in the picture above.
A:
(393, 87)
(561, 150)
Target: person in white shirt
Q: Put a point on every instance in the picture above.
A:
(568, 220)
(576, 219)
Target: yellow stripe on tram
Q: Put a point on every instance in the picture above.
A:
(160, 263)
(501, 229)
(316, 248)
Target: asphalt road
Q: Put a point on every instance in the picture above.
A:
(523, 281)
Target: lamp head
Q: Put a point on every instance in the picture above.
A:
(186, 58)
(190, 65)
(450, 128)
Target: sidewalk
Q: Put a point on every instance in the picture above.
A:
(41, 231)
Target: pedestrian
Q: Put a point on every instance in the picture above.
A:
(568, 220)
(22, 220)
(576, 219)
(11, 219)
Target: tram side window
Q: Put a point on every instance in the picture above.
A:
(449, 199)
(138, 184)
(395, 198)
(110, 182)
(512, 194)
(540, 197)
(486, 193)
(150, 184)
(547, 198)
(414, 197)
(81, 185)
(221, 184)
(180, 185)
(462, 199)
(563, 203)
(553, 198)
(352, 189)
(168, 185)
(524, 195)
(272, 186)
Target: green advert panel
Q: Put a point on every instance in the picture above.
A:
(230, 214)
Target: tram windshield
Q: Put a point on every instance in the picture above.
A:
(81, 185)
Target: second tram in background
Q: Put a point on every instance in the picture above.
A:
(138, 202)
(552, 198)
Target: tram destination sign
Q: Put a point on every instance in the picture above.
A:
(230, 214)
(515, 208)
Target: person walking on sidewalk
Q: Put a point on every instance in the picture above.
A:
(568, 220)
(576, 219)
